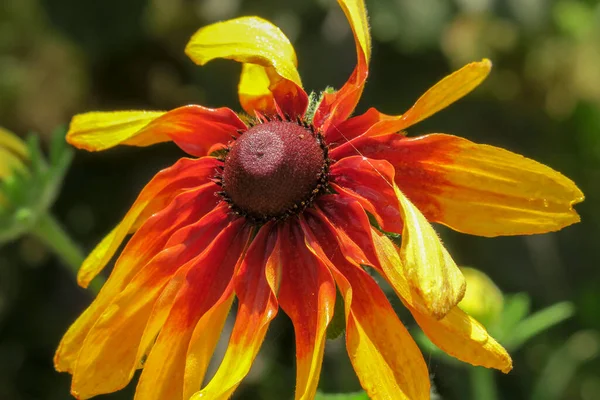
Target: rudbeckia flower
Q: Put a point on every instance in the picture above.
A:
(281, 208)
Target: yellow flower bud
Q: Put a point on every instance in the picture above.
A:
(483, 299)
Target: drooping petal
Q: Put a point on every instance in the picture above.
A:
(457, 334)
(109, 354)
(202, 345)
(461, 336)
(307, 296)
(336, 107)
(434, 279)
(165, 186)
(255, 287)
(441, 95)
(207, 283)
(186, 209)
(251, 40)
(385, 357)
(371, 183)
(194, 128)
(473, 188)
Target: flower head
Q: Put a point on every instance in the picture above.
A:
(281, 215)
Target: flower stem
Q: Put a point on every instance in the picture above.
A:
(52, 234)
(483, 384)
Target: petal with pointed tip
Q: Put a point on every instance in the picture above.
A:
(474, 188)
(165, 186)
(307, 296)
(194, 128)
(385, 357)
(209, 274)
(255, 287)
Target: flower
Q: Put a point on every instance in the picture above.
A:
(280, 216)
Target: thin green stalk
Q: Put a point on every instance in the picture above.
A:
(483, 384)
(52, 234)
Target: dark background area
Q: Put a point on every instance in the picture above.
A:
(61, 57)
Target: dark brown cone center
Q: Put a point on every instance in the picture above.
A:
(273, 169)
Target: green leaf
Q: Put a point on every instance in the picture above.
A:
(538, 322)
(516, 307)
(342, 396)
(337, 326)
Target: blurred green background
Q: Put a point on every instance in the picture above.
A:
(60, 57)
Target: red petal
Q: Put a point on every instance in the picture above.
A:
(307, 295)
(185, 174)
(150, 239)
(112, 348)
(207, 283)
(371, 183)
(255, 286)
(386, 359)
(196, 129)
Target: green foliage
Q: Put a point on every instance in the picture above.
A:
(342, 396)
(29, 193)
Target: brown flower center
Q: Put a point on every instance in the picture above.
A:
(274, 170)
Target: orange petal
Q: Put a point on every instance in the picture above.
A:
(369, 182)
(186, 209)
(209, 274)
(337, 107)
(202, 345)
(457, 334)
(435, 281)
(473, 188)
(109, 354)
(441, 95)
(255, 287)
(193, 128)
(252, 40)
(307, 295)
(159, 192)
(385, 357)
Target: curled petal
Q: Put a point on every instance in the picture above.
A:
(474, 188)
(386, 359)
(457, 334)
(194, 128)
(434, 278)
(337, 107)
(159, 192)
(253, 40)
(209, 274)
(307, 295)
(255, 287)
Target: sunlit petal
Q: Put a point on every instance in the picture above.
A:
(194, 128)
(307, 295)
(338, 106)
(159, 192)
(255, 286)
(474, 188)
(386, 359)
(210, 274)
(253, 40)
